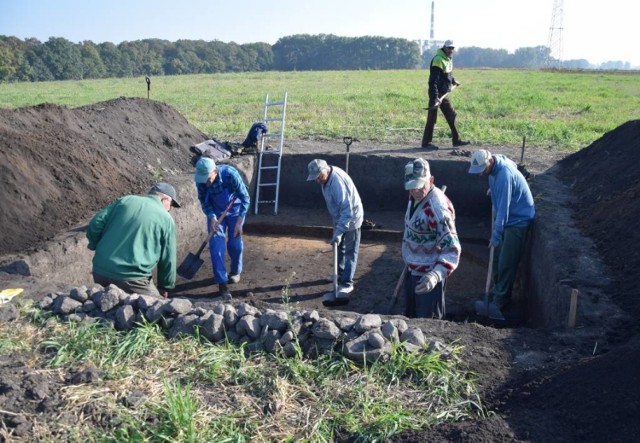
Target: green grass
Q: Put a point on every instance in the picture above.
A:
(562, 111)
(192, 390)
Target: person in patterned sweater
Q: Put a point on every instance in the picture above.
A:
(430, 245)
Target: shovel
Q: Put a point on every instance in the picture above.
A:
(441, 98)
(192, 263)
(335, 298)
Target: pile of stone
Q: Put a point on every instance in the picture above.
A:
(366, 338)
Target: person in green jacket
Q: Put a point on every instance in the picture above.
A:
(130, 237)
(441, 83)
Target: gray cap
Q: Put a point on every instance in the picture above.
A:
(448, 44)
(315, 168)
(166, 189)
(416, 174)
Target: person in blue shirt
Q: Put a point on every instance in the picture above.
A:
(514, 210)
(217, 186)
(346, 210)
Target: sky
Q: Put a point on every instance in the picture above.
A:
(595, 30)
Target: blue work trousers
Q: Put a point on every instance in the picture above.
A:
(348, 256)
(234, 247)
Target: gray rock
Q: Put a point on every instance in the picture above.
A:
(270, 340)
(415, 336)
(108, 299)
(155, 312)
(400, 324)
(218, 308)
(183, 324)
(213, 327)
(125, 317)
(286, 337)
(79, 293)
(146, 301)
(249, 326)
(277, 320)
(230, 316)
(345, 323)
(360, 350)
(310, 315)
(367, 322)
(46, 302)
(178, 306)
(65, 305)
(390, 331)
(325, 329)
(290, 349)
(376, 341)
(88, 306)
(246, 309)
(131, 299)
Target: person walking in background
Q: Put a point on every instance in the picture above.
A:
(441, 83)
(345, 207)
(133, 235)
(514, 210)
(430, 245)
(217, 187)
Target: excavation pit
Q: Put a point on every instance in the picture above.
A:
(287, 256)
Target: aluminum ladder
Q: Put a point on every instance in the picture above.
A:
(270, 159)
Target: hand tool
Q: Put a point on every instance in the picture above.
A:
(192, 263)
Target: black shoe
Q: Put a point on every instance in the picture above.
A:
(224, 292)
(430, 147)
(460, 143)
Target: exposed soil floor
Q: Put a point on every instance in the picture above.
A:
(58, 166)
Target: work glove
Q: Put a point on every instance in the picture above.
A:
(336, 239)
(427, 282)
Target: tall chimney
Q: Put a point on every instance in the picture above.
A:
(433, 6)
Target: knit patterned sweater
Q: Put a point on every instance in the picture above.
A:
(430, 240)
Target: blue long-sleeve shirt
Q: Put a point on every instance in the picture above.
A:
(228, 180)
(343, 201)
(510, 196)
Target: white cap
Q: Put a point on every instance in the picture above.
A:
(448, 44)
(416, 174)
(479, 161)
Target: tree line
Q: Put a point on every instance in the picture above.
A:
(61, 59)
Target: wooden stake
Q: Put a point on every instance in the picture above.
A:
(573, 308)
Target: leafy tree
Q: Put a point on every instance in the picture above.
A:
(62, 58)
(92, 64)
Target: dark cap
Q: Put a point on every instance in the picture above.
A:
(167, 189)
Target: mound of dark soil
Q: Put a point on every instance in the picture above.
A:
(605, 178)
(57, 164)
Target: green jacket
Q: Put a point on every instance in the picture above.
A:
(131, 236)
(440, 75)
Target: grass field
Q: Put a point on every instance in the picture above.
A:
(562, 111)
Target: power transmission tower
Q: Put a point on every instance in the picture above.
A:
(555, 34)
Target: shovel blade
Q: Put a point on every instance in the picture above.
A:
(190, 266)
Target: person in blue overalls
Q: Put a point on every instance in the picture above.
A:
(217, 187)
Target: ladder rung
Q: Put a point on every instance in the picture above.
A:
(281, 102)
(266, 201)
(269, 167)
(273, 119)
(268, 184)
